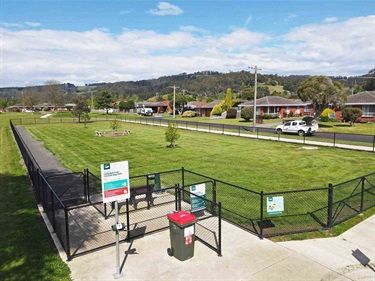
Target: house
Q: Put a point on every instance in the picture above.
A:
(205, 109)
(364, 101)
(279, 106)
(16, 108)
(157, 107)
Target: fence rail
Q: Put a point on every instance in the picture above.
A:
(73, 201)
(341, 140)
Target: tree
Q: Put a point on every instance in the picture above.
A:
(217, 110)
(228, 100)
(104, 100)
(322, 91)
(370, 82)
(126, 105)
(172, 134)
(247, 113)
(53, 92)
(351, 114)
(115, 125)
(3, 103)
(81, 109)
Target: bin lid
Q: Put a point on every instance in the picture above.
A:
(181, 217)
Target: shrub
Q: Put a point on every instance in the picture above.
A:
(171, 134)
(189, 113)
(351, 114)
(217, 110)
(115, 125)
(45, 108)
(231, 113)
(247, 113)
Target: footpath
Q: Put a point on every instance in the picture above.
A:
(350, 256)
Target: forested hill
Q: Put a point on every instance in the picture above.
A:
(205, 83)
(198, 85)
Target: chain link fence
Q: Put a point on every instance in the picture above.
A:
(73, 203)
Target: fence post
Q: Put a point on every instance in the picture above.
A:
(219, 246)
(175, 197)
(53, 212)
(362, 193)
(261, 216)
(85, 185)
(214, 196)
(67, 235)
(330, 206)
(183, 176)
(127, 220)
(334, 139)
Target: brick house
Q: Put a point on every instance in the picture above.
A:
(364, 101)
(277, 106)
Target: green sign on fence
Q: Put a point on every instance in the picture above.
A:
(198, 203)
(275, 205)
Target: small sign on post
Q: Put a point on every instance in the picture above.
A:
(115, 186)
(275, 205)
(115, 181)
(198, 203)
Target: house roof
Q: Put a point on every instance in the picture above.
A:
(367, 97)
(275, 101)
(211, 104)
(152, 104)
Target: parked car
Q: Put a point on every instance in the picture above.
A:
(297, 127)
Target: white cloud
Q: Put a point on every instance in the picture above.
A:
(329, 20)
(339, 48)
(165, 8)
(290, 16)
(11, 24)
(124, 12)
(32, 24)
(191, 28)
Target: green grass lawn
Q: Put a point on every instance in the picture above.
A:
(26, 249)
(245, 162)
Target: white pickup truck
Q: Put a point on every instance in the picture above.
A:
(297, 127)
(145, 111)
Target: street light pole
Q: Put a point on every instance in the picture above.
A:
(174, 101)
(255, 96)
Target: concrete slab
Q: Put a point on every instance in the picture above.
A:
(245, 256)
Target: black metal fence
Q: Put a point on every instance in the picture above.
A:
(74, 206)
(342, 140)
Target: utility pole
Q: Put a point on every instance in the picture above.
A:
(174, 100)
(255, 95)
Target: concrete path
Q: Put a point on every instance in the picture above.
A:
(245, 257)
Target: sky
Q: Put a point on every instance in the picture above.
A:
(83, 42)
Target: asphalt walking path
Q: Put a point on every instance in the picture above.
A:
(350, 256)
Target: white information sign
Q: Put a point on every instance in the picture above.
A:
(275, 205)
(115, 181)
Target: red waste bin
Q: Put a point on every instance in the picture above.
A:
(182, 235)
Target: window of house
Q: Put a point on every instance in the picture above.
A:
(368, 110)
(307, 108)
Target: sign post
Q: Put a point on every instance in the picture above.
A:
(115, 186)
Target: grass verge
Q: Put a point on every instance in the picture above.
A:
(27, 251)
